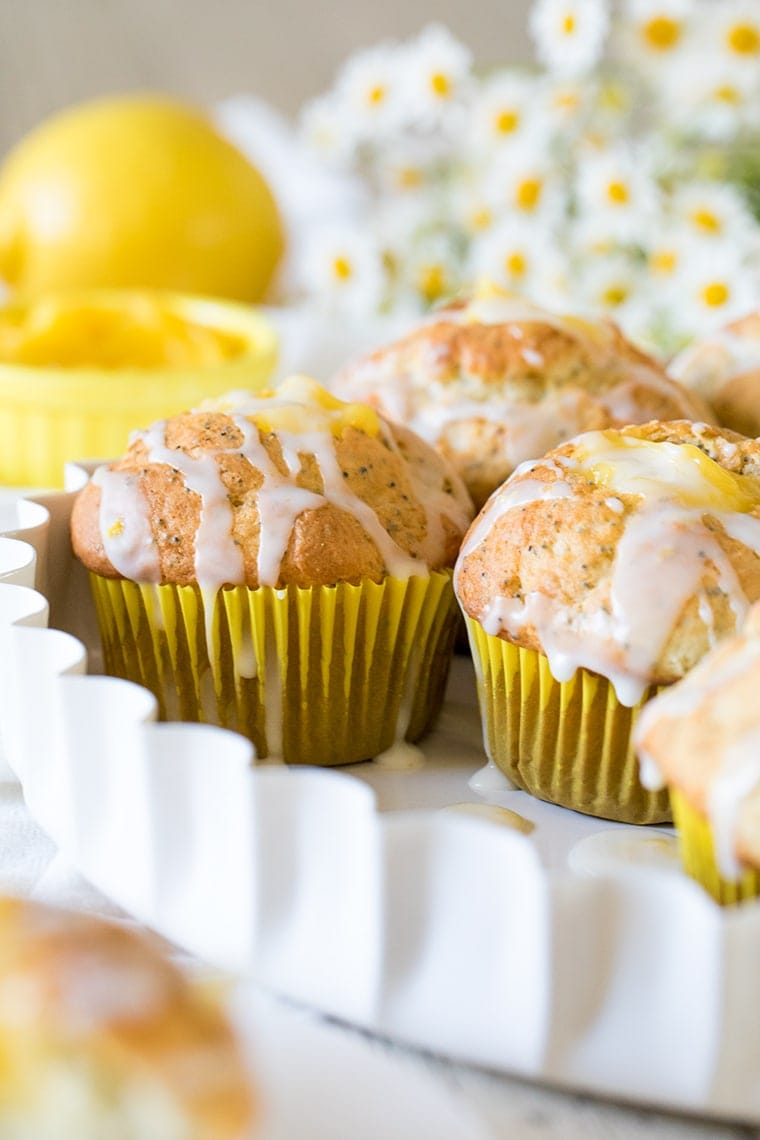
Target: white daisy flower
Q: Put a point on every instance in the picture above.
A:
(322, 126)
(436, 69)
(713, 288)
(609, 284)
(431, 269)
(503, 112)
(734, 27)
(526, 183)
(569, 34)
(369, 92)
(652, 31)
(565, 103)
(713, 211)
(667, 246)
(514, 255)
(616, 187)
(341, 267)
(710, 97)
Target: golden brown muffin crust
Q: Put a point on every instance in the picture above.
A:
(327, 544)
(491, 395)
(565, 548)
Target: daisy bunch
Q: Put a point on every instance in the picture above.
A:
(617, 173)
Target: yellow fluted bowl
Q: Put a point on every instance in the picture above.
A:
(80, 370)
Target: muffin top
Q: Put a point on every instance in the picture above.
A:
(628, 552)
(724, 369)
(290, 487)
(702, 736)
(94, 1019)
(494, 381)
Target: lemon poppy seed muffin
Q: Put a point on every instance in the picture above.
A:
(103, 1039)
(724, 369)
(293, 550)
(494, 381)
(594, 576)
(701, 739)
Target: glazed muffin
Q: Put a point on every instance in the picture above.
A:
(103, 1039)
(495, 381)
(724, 369)
(280, 565)
(594, 577)
(701, 738)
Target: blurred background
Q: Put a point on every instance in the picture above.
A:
(56, 52)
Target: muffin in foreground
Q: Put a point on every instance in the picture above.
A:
(280, 565)
(594, 577)
(494, 381)
(701, 738)
(102, 1039)
(724, 369)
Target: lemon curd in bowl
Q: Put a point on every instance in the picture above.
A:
(79, 370)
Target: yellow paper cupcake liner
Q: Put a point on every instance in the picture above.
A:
(566, 742)
(325, 675)
(697, 849)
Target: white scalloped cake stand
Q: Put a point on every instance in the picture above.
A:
(434, 927)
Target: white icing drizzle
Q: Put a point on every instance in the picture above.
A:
(401, 757)
(739, 775)
(124, 526)
(489, 779)
(125, 523)
(218, 558)
(658, 566)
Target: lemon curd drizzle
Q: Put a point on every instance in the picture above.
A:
(664, 554)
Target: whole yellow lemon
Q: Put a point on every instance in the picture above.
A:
(135, 191)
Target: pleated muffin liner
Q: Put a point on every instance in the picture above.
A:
(321, 675)
(697, 847)
(566, 742)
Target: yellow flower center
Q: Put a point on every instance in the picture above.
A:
(342, 268)
(715, 294)
(515, 264)
(376, 95)
(663, 262)
(568, 24)
(431, 282)
(618, 193)
(727, 94)
(744, 39)
(481, 219)
(661, 33)
(705, 219)
(506, 122)
(614, 295)
(566, 99)
(441, 85)
(528, 193)
(409, 178)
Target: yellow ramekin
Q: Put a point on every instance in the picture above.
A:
(322, 675)
(695, 842)
(566, 742)
(50, 414)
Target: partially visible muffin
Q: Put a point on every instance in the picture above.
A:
(701, 738)
(594, 576)
(724, 369)
(280, 564)
(494, 381)
(103, 1039)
